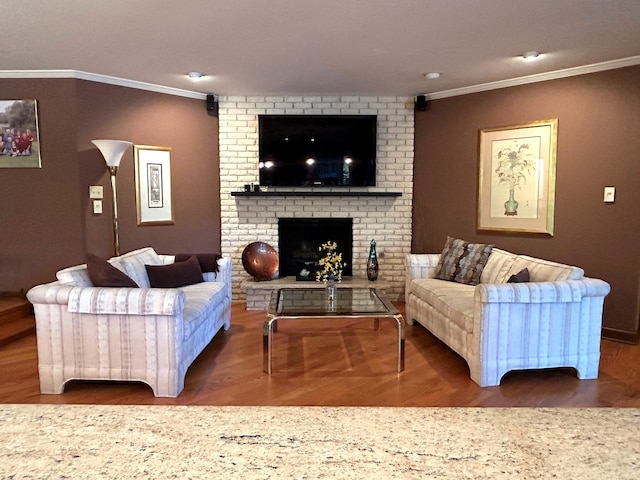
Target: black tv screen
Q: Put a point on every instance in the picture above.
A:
(317, 150)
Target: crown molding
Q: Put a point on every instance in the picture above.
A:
(540, 77)
(512, 82)
(94, 77)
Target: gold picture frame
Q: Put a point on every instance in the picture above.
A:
(153, 185)
(517, 176)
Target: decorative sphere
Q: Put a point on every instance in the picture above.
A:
(260, 260)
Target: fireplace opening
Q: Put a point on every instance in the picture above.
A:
(299, 241)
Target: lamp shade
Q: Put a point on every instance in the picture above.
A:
(112, 150)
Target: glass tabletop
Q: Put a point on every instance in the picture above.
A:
(315, 302)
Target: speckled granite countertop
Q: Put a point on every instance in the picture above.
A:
(89, 441)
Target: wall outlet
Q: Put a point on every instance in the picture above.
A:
(97, 207)
(96, 191)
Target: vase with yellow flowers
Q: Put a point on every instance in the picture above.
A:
(330, 267)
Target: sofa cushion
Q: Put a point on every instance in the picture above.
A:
(545, 270)
(104, 274)
(462, 261)
(78, 276)
(453, 300)
(201, 300)
(498, 266)
(175, 275)
(133, 264)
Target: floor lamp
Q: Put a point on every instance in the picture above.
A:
(112, 151)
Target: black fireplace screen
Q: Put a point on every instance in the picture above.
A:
(299, 241)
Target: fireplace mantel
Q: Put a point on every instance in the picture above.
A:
(298, 193)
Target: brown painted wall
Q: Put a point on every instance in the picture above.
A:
(40, 228)
(47, 222)
(598, 145)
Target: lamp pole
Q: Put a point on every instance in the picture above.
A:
(116, 236)
(112, 151)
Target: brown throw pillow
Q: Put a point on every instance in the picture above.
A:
(462, 262)
(208, 261)
(521, 277)
(174, 275)
(103, 274)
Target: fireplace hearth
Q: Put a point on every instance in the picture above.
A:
(299, 241)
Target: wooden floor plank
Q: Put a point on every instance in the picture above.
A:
(336, 363)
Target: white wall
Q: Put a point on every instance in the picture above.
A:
(385, 219)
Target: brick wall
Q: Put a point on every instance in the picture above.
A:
(385, 219)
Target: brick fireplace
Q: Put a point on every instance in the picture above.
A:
(385, 219)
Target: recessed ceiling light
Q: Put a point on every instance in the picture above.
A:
(432, 75)
(530, 56)
(195, 75)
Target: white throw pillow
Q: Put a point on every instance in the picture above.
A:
(133, 263)
(76, 275)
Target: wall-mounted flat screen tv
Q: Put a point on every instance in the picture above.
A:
(317, 150)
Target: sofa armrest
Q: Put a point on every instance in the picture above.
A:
(126, 301)
(541, 292)
(520, 326)
(53, 293)
(224, 274)
(421, 265)
(117, 301)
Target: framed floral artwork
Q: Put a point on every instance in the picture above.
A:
(19, 136)
(153, 185)
(517, 174)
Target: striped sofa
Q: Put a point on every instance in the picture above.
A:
(142, 334)
(554, 320)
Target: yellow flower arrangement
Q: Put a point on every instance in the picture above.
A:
(330, 264)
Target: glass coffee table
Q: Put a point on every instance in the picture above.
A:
(348, 303)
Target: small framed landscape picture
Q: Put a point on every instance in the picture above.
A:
(19, 137)
(153, 185)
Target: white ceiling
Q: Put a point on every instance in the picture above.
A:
(294, 47)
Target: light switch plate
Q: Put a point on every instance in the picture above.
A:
(96, 191)
(97, 207)
(609, 194)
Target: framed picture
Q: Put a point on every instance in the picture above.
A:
(517, 176)
(19, 137)
(153, 185)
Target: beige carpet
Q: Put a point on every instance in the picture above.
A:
(116, 442)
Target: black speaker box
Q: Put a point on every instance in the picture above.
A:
(212, 105)
(421, 103)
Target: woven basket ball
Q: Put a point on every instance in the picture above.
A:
(260, 260)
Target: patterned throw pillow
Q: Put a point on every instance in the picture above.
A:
(462, 262)
(451, 254)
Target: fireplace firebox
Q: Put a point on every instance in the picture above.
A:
(299, 241)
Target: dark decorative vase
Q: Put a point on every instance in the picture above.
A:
(260, 260)
(372, 263)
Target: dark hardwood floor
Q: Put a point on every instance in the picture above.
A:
(337, 363)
